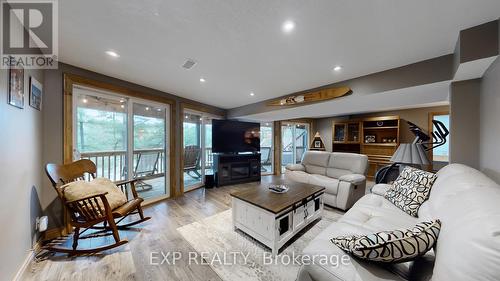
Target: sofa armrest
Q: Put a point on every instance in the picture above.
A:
(355, 179)
(380, 189)
(295, 167)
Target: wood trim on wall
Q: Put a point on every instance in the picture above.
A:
(201, 108)
(70, 80)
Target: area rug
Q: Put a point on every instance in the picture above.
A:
(233, 255)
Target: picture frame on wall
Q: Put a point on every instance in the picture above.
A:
(16, 87)
(317, 144)
(36, 92)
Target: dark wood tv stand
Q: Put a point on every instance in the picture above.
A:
(236, 168)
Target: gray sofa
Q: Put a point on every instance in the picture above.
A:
(468, 247)
(342, 174)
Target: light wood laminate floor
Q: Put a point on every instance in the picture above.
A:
(132, 261)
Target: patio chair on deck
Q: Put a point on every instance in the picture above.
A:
(265, 156)
(192, 155)
(147, 166)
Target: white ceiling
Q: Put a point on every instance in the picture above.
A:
(239, 45)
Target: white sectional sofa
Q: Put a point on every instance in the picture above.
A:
(468, 247)
(342, 174)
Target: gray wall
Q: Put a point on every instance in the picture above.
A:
(464, 122)
(419, 116)
(20, 172)
(489, 150)
(421, 73)
(53, 127)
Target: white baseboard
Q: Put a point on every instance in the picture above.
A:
(22, 269)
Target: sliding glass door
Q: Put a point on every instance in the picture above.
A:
(197, 155)
(266, 148)
(294, 142)
(126, 138)
(192, 156)
(149, 149)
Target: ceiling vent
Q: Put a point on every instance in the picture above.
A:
(188, 64)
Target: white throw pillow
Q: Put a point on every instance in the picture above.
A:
(411, 189)
(392, 246)
(81, 189)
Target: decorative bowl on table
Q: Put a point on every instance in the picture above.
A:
(278, 188)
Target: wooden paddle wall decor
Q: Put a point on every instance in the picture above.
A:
(316, 96)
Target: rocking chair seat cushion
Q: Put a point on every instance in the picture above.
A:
(80, 189)
(126, 208)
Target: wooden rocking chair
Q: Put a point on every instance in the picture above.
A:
(86, 213)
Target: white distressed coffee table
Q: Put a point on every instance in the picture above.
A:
(273, 218)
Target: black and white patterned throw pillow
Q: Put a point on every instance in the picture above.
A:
(411, 189)
(392, 246)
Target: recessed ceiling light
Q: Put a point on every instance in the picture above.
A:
(252, 94)
(337, 68)
(85, 100)
(147, 108)
(158, 109)
(122, 106)
(187, 117)
(288, 26)
(202, 80)
(112, 54)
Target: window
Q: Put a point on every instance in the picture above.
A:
(440, 154)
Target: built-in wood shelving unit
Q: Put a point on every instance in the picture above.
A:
(377, 137)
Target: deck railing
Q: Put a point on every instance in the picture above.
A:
(112, 164)
(147, 163)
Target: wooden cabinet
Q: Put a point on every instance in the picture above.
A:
(376, 137)
(346, 136)
(380, 137)
(346, 132)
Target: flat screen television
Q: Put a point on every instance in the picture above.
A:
(235, 136)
